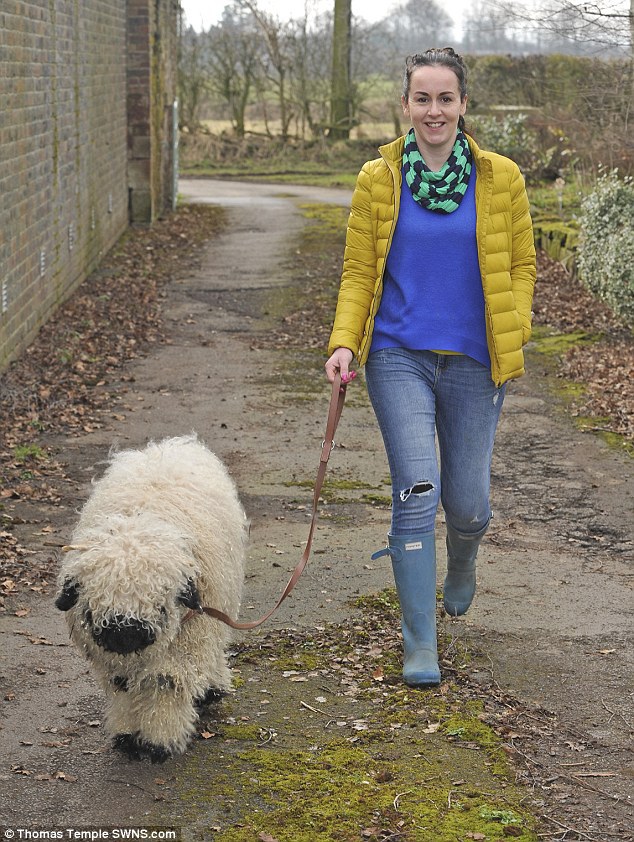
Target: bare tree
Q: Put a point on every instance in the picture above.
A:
(192, 77)
(341, 118)
(417, 25)
(311, 82)
(603, 28)
(232, 58)
(488, 28)
(276, 59)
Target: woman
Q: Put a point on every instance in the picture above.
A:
(435, 301)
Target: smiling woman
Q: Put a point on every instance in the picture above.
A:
(435, 300)
(434, 104)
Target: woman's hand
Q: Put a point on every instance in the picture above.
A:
(340, 361)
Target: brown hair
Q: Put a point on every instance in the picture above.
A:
(445, 56)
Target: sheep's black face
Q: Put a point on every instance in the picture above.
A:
(123, 635)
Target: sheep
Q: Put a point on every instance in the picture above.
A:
(162, 533)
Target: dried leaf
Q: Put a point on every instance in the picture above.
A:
(64, 776)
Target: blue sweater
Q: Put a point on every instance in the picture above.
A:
(432, 288)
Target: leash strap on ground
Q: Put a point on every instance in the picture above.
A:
(334, 414)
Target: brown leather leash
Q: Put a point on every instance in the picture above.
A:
(334, 414)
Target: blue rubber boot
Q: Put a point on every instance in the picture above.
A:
(414, 566)
(460, 582)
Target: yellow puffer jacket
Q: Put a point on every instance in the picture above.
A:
(506, 253)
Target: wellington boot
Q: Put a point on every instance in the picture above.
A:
(460, 582)
(414, 566)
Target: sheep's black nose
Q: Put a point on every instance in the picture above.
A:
(124, 636)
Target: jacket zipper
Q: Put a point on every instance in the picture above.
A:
(378, 286)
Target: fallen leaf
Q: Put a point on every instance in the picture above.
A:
(207, 735)
(64, 776)
(266, 837)
(431, 728)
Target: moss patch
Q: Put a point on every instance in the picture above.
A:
(335, 491)
(325, 742)
(557, 344)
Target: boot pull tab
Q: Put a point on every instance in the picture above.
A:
(394, 552)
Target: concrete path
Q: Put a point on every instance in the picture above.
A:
(554, 605)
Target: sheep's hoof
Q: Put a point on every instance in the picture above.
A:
(138, 749)
(211, 697)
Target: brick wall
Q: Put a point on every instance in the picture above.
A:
(71, 88)
(151, 75)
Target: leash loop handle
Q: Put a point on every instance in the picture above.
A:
(335, 409)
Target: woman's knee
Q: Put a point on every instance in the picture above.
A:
(414, 507)
(470, 520)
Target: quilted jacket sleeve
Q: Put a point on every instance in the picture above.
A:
(359, 269)
(523, 269)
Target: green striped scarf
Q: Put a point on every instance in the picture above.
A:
(440, 191)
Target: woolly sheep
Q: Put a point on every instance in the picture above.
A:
(163, 532)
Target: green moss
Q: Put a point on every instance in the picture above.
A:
(332, 218)
(377, 499)
(331, 490)
(243, 731)
(24, 452)
(337, 790)
(571, 393)
(384, 602)
(504, 817)
(422, 762)
(557, 344)
(594, 424)
(287, 655)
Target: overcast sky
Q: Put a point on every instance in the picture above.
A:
(203, 13)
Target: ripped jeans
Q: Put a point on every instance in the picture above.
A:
(417, 395)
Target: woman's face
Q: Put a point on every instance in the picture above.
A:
(434, 107)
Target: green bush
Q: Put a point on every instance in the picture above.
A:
(538, 154)
(605, 258)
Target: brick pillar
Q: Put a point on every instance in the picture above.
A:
(151, 91)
